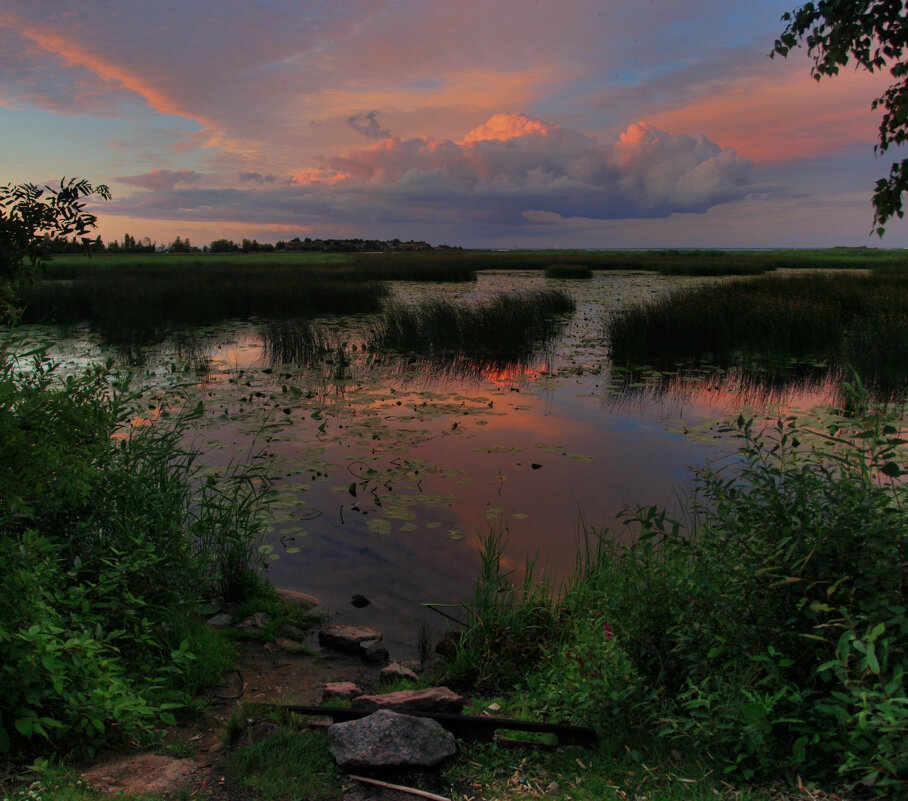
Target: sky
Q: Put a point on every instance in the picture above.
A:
(494, 124)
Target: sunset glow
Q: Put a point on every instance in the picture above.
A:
(502, 124)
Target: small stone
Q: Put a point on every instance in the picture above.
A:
(345, 690)
(360, 601)
(347, 639)
(396, 671)
(553, 789)
(301, 599)
(220, 620)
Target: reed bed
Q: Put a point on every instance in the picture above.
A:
(509, 327)
(846, 320)
(443, 267)
(144, 302)
(299, 341)
(569, 271)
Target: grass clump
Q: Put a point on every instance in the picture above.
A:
(844, 319)
(769, 633)
(505, 327)
(290, 763)
(111, 541)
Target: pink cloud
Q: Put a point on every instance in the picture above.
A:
(522, 160)
(161, 180)
(782, 114)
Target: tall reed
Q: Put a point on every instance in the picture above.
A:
(144, 302)
(859, 320)
(506, 326)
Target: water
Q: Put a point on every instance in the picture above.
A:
(389, 473)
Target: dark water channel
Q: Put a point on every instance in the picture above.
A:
(390, 472)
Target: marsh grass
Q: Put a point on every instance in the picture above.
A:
(297, 341)
(138, 303)
(846, 320)
(508, 327)
(571, 271)
(679, 262)
(440, 267)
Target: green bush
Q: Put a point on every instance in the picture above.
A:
(769, 632)
(110, 542)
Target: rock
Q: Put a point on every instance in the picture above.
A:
(433, 699)
(220, 620)
(258, 621)
(386, 739)
(360, 601)
(396, 671)
(347, 639)
(341, 689)
(291, 646)
(303, 601)
(373, 651)
(446, 647)
(553, 789)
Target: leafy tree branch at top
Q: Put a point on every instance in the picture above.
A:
(875, 34)
(29, 214)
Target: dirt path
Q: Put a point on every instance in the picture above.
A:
(264, 673)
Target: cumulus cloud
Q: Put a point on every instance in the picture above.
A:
(367, 125)
(512, 163)
(510, 173)
(161, 180)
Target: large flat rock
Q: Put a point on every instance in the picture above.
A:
(432, 699)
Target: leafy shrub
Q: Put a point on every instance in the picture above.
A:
(110, 541)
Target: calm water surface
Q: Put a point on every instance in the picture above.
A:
(390, 472)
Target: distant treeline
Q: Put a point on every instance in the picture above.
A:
(130, 244)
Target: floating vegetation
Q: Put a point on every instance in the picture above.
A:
(511, 327)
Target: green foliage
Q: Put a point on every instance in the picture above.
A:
(110, 540)
(873, 33)
(30, 215)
